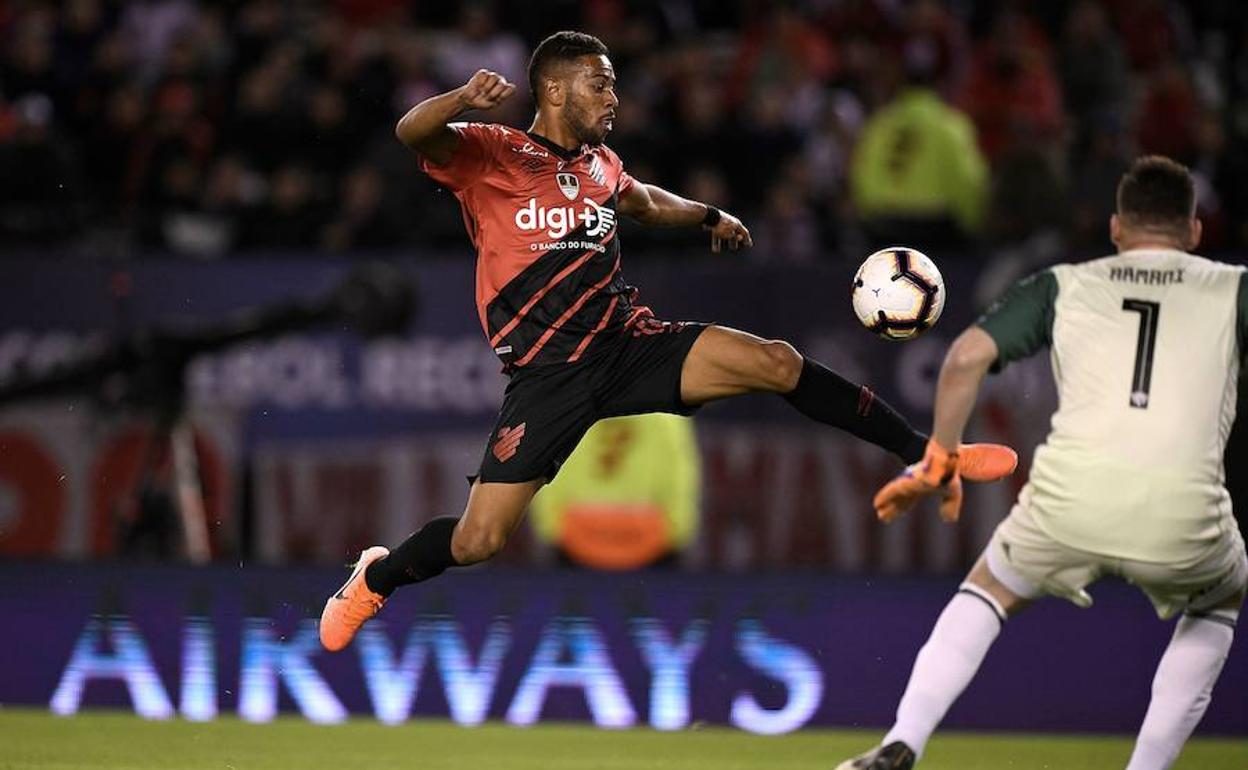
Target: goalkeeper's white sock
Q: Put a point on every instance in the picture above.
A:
(945, 665)
(1182, 687)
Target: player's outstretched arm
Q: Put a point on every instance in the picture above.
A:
(652, 205)
(968, 360)
(424, 127)
(965, 365)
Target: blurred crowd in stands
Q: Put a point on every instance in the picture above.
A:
(208, 129)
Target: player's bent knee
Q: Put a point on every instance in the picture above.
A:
(470, 544)
(981, 576)
(781, 365)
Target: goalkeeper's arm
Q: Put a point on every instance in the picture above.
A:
(966, 363)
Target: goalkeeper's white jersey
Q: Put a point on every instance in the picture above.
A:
(1145, 349)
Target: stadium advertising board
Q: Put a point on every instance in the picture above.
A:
(768, 654)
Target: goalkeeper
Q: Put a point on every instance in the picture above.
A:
(1146, 348)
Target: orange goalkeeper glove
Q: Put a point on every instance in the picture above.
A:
(936, 474)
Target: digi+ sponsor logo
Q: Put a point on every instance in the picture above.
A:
(558, 221)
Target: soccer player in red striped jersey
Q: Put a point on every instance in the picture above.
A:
(541, 208)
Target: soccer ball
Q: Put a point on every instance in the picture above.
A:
(898, 293)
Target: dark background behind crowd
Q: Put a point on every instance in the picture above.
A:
(141, 139)
(207, 130)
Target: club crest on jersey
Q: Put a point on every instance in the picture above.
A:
(569, 185)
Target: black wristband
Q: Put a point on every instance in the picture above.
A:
(712, 217)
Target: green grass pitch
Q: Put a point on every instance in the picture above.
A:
(114, 741)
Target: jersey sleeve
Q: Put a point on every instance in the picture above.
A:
(473, 156)
(626, 182)
(1021, 321)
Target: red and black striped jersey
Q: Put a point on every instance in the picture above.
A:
(543, 222)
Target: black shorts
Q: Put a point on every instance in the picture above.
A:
(546, 410)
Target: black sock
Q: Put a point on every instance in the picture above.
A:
(425, 554)
(822, 394)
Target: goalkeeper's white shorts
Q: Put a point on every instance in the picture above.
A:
(1030, 563)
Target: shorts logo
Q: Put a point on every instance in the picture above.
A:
(508, 442)
(569, 185)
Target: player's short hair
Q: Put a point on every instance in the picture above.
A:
(562, 46)
(1157, 192)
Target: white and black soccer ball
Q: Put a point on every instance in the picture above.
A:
(898, 293)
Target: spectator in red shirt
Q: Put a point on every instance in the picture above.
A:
(1011, 92)
(1152, 31)
(777, 50)
(1167, 121)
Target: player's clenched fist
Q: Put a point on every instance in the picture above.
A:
(486, 90)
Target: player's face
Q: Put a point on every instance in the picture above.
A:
(590, 108)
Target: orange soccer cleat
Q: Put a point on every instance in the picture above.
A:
(354, 603)
(935, 475)
(940, 473)
(986, 462)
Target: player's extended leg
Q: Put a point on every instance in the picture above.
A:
(726, 362)
(944, 667)
(1183, 683)
(493, 512)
